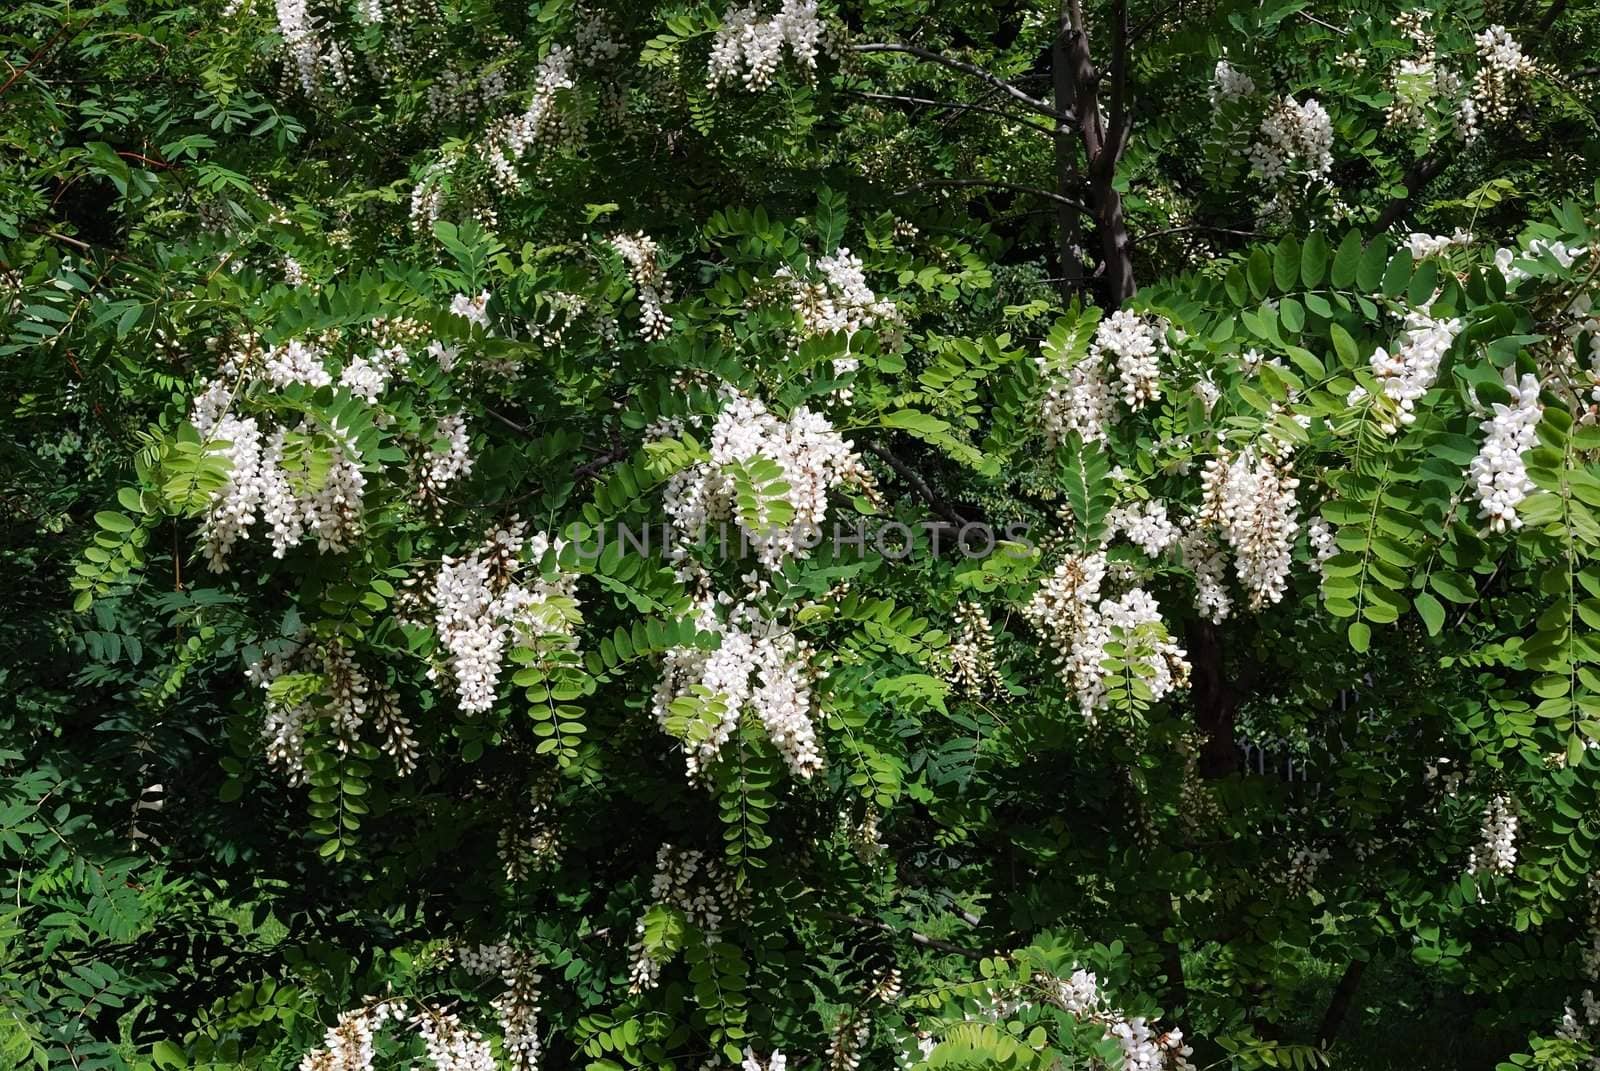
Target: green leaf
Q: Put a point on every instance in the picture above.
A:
(1430, 610)
(1360, 636)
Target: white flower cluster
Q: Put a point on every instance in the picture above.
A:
(775, 1062)
(1077, 400)
(1146, 525)
(1291, 133)
(1301, 872)
(1080, 399)
(1408, 373)
(972, 667)
(346, 700)
(1144, 1047)
(644, 268)
(1498, 475)
(812, 456)
(317, 62)
(1136, 344)
(481, 605)
(749, 45)
(1319, 536)
(693, 883)
(518, 1007)
(1432, 245)
(1496, 852)
(1250, 499)
(295, 361)
(1204, 556)
(273, 476)
(759, 667)
(1504, 259)
(454, 462)
(850, 1035)
(474, 310)
(1229, 83)
(842, 301)
(1420, 83)
(543, 123)
(1502, 68)
(1069, 611)
(347, 1046)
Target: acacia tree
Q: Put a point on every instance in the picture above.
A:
(643, 537)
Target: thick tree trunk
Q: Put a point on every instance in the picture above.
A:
(1216, 702)
(1339, 1006)
(1102, 147)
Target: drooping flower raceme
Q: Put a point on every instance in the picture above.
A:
(1230, 83)
(1408, 373)
(760, 668)
(482, 603)
(640, 253)
(1295, 137)
(811, 456)
(1496, 852)
(748, 45)
(1069, 611)
(1250, 498)
(1498, 475)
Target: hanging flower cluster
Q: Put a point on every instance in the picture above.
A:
(759, 667)
(1503, 69)
(812, 457)
(1431, 245)
(482, 603)
(749, 45)
(1069, 611)
(544, 123)
(972, 666)
(649, 279)
(334, 694)
(1498, 475)
(347, 1046)
(1421, 83)
(1249, 497)
(1408, 373)
(1228, 83)
(1146, 525)
(697, 887)
(1202, 555)
(1295, 139)
(1496, 852)
(1080, 399)
(317, 60)
(841, 301)
(1144, 1047)
(517, 1009)
(306, 480)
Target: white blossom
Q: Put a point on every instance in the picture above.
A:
(1498, 475)
(1408, 373)
(1496, 852)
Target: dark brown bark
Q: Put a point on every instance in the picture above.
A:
(1339, 1005)
(1216, 700)
(1103, 144)
(1424, 171)
(1066, 161)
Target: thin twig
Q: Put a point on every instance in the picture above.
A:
(967, 68)
(1012, 186)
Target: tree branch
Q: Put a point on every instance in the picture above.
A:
(1012, 186)
(1032, 102)
(950, 105)
(919, 485)
(1424, 171)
